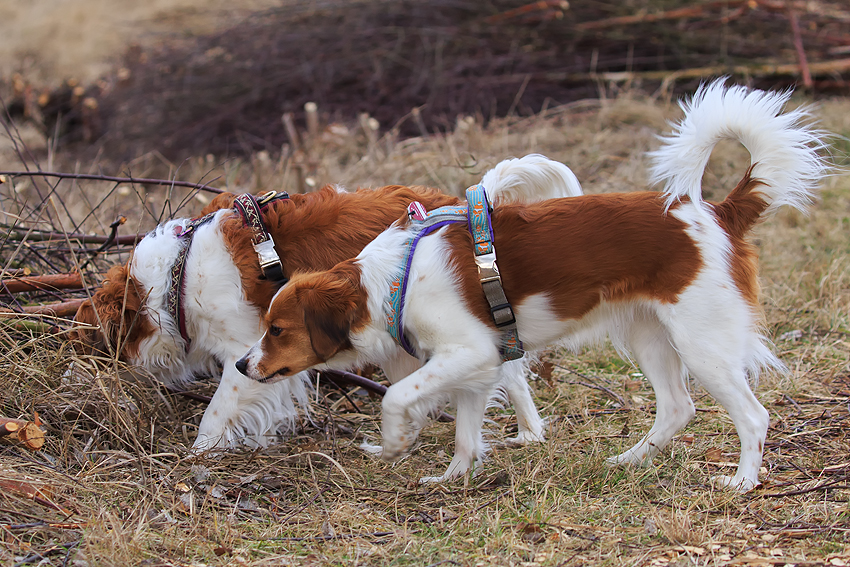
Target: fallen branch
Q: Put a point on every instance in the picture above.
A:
(763, 70)
(544, 6)
(92, 177)
(19, 432)
(40, 236)
(677, 14)
(798, 46)
(59, 309)
(50, 282)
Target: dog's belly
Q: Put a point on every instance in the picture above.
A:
(539, 327)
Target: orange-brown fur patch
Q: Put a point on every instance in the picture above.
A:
(579, 251)
(313, 316)
(737, 214)
(317, 230)
(118, 304)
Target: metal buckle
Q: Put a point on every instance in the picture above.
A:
(488, 271)
(266, 253)
(266, 197)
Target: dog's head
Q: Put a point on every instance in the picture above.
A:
(112, 321)
(308, 322)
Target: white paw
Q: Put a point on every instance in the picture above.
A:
(398, 436)
(526, 438)
(373, 450)
(734, 483)
(628, 459)
(457, 468)
(209, 445)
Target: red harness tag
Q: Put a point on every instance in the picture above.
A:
(416, 211)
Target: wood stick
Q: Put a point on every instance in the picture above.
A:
(676, 14)
(92, 177)
(798, 46)
(762, 70)
(59, 309)
(50, 282)
(84, 238)
(19, 432)
(539, 6)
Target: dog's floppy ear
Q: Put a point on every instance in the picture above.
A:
(331, 304)
(115, 309)
(86, 340)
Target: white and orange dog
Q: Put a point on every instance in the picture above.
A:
(669, 277)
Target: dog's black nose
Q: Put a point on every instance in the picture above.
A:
(242, 365)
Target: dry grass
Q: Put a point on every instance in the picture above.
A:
(118, 488)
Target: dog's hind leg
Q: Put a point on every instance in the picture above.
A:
(661, 364)
(715, 340)
(513, 381)
(727, 383)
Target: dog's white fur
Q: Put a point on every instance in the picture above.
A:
(222, 324)
(721, 347)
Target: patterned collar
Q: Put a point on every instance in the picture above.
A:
(250, 209)
(174, 298)
(476, 215)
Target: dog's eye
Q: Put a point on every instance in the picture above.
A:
(275, 331)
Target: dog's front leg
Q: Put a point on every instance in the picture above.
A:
(469, 446)
(216, 428)
(464, 374)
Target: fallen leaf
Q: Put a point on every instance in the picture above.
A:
(714, 455)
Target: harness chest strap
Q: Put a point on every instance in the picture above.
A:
(174, 297)
(477, 217)
(481, 228)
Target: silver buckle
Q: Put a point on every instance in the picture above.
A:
(488, 271)
(266, 253)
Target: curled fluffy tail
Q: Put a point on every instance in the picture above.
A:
(784, 149)
(530, 179)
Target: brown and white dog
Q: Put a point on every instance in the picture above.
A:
(225, 297)
(667, 276)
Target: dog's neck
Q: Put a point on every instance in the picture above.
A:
(378, 264)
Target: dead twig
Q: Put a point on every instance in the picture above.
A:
(59, 309)
(798, 46)
(132, 180)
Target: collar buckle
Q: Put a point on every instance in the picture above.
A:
(268, 196)
(488, 270)
(266, 253)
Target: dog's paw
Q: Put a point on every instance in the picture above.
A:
(457, 468)
(526, 438)
(629, 458)
(373, 450)
(395, 446)
(735, 483)
(398, 435)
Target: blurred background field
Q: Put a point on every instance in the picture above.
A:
(413, 93)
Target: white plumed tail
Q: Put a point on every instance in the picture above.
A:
(784, 147)
(530, 179)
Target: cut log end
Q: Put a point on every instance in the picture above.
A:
(23, 433)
